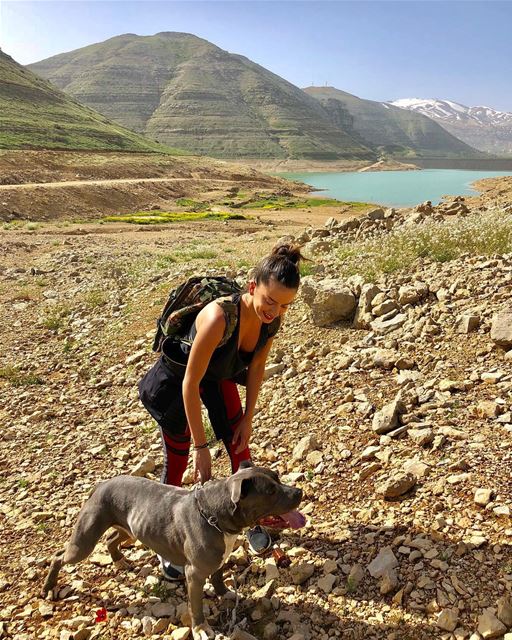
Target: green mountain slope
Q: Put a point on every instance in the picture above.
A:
(36, 115)
(188, 93)
(389, 129)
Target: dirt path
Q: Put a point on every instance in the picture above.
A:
(111, 183)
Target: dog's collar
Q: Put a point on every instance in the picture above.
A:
(211, 520)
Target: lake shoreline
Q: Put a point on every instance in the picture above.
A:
(276, 166)
(405, 188)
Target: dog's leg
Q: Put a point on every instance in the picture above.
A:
(201, 630)
(89, 528)
(114, 541)
(217, 580)
(51, 578)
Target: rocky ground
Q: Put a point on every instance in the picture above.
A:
(396, 422)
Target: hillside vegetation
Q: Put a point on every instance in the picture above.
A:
(36, 115)
(188, 93)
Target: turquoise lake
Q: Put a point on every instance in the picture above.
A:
(394, 188)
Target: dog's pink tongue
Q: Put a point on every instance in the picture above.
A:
(294, 519)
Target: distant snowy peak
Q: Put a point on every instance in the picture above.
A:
(450, 111)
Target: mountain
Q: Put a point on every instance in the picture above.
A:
(188, 93)
(388, 128)
(482, 127)
(34, 114)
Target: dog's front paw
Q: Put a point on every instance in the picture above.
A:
(203, 632)
(49, 593)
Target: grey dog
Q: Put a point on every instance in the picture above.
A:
(196, 529)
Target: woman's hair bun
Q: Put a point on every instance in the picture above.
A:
(282, 264)
(289, 251)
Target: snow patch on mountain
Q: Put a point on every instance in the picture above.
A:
(451, 111)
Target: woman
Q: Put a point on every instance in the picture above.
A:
(173, 389)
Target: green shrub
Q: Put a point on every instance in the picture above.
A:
(477, 234)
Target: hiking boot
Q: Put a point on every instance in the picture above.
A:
(259, 540)
(171, 572)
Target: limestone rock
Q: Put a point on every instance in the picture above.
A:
(421, 437)
(386, 419)
(389, 582)
(382, 563)
(326, 583)
(181, 633)
(483, 496)
(304, 446)
(397, 485)
(489, 626)
(505, 610)
(448, 619)
(301, 572)
(145, 466)
(501, 329)
(363, 315)
(467, 323)
(329, 300)
(384, 325)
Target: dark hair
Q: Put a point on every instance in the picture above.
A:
(282, 264)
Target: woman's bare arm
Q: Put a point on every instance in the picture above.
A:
(210, 325)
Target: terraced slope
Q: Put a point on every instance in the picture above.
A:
(189, 93)
(36, 115)
(390, 129)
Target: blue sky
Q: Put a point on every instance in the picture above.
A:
(379, 50)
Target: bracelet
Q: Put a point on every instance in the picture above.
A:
(201, 446)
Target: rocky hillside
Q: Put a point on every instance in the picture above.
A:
(34, 114)
(188, 93)
(389, 129)
(481, 127)
(387, 399)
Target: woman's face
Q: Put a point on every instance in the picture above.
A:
(271, 300)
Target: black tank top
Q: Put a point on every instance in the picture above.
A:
(227, 361)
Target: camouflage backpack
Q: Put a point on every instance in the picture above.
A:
(187, 300)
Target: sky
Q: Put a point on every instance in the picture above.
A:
(380, 50)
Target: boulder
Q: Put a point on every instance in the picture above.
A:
(329, 300)
(501, 329)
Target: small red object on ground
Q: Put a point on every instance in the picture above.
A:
(101, 615)
(282, 560)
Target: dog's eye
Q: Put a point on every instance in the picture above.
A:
(271, 490)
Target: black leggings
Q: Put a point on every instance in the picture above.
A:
(160, 391)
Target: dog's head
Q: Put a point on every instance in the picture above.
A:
(257, 492)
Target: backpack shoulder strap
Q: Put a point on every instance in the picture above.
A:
(229, 306)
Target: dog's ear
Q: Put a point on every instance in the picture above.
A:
(246, 464)
(239, 484)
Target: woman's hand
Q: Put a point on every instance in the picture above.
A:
(202, 465)
(242, 434)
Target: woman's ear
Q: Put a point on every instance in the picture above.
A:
(252, 287)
